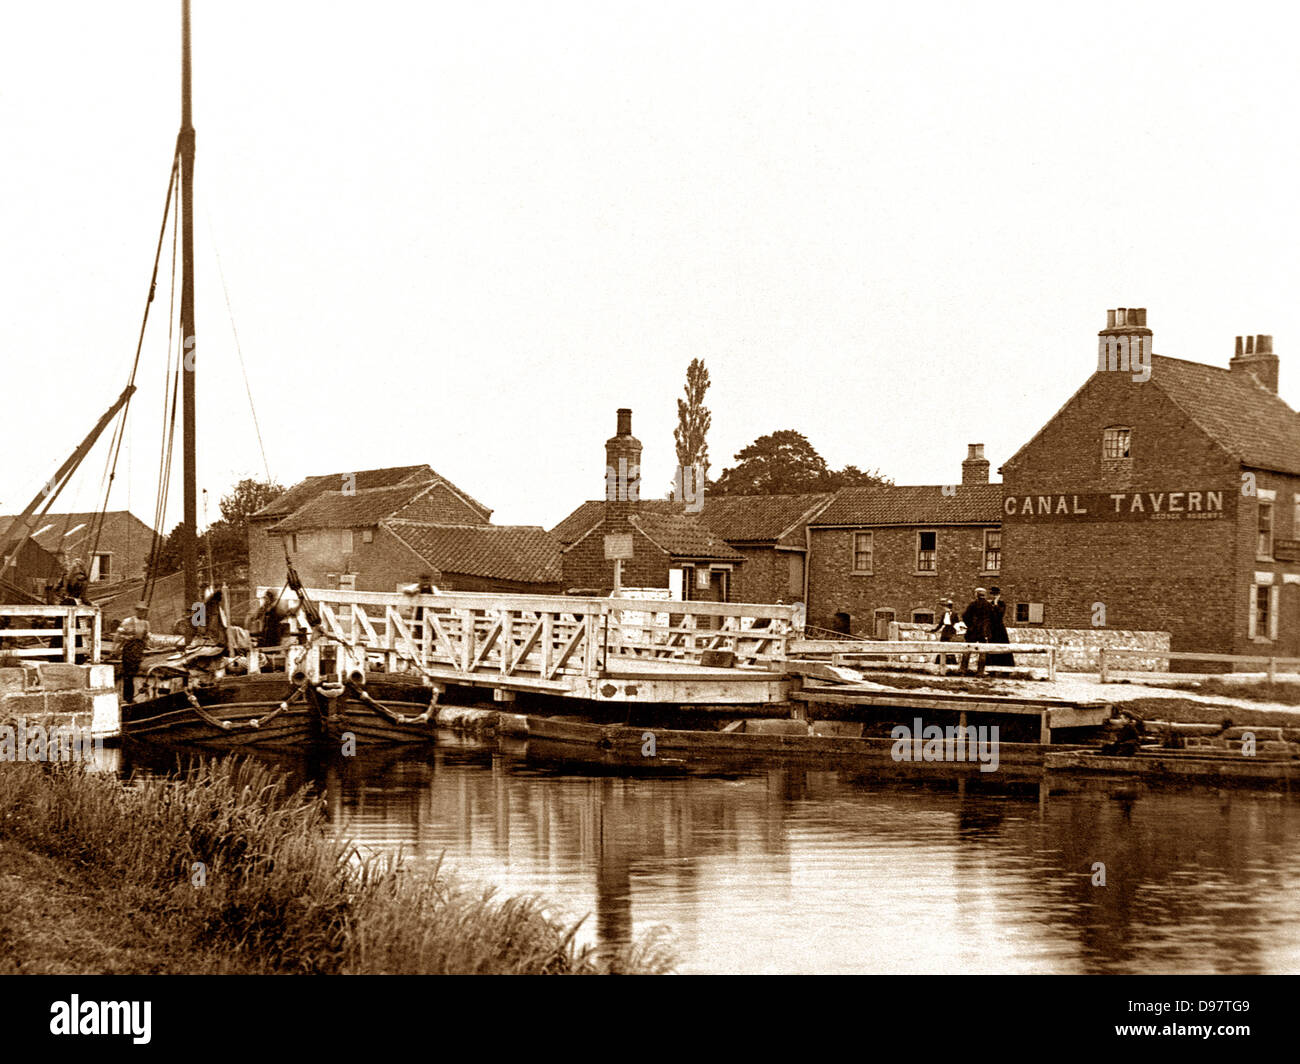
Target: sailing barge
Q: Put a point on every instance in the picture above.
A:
(317, 692)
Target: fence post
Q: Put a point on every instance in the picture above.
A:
(1051, 664)
(1272, 670)
(1101, 660)
(70, 635)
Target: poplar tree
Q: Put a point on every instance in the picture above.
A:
(693, 419)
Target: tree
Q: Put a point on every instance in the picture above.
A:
(170, 557)
(785, 463)
(693, 420)
(227, 538)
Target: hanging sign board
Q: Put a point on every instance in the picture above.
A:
(618, 546)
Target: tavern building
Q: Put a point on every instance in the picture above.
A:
(1164, 496)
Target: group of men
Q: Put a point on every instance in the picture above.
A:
(981, 622)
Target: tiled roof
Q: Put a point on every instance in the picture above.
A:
(761, 518)
(55, 531)
(335, 509)
(1247, 419)
(683, 536)
(306, 490)
(919, 505)
(522, 553)
(591, 513)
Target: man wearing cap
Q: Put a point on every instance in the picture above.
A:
(976, 617)
(947, 628)
(132, 638)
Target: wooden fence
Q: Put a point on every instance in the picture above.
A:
(51, 633)
(1108, 656)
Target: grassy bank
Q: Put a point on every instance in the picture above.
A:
(225, 871)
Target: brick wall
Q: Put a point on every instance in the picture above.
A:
(441, 505)
(834, 588)
(1079, 646)
(765, 575)
(1190, 578)
(585, 565)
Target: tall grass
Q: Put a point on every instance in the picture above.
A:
(226, 857)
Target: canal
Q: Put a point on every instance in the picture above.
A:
(784, 867)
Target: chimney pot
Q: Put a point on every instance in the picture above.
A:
(624, 421)
(1263, 345)
(1142, 317)
(1110, 319)
(1239, 348)
(1250, 345)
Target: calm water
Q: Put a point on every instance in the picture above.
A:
(798, 869)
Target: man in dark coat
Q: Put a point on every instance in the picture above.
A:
(998, 628)
(976, 618)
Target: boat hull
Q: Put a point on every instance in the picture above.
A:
(268, 710)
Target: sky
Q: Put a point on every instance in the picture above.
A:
(465, 234)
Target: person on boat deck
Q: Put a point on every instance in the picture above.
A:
(998, 627)
(255, 620)
(947, 628)
(976, 618)
(131, 639)
(275, 623)
(214, 628)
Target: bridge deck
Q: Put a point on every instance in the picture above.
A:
(597, 649)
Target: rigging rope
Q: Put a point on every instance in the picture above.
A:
(221, 273)
(119, 432)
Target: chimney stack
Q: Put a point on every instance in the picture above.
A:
(622, 474)
(1125, 343)
(975, 469)
(1256, 357)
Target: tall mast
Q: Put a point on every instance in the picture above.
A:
(190, 536)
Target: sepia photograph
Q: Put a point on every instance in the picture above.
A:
(717, 488)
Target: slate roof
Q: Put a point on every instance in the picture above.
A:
(1245, 418)
(334, 509)
(305, 491)
(973, 504)
(684, 536)
(761, 518)
(523, 553)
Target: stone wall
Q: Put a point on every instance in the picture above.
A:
(57, 695)
(1079, 646)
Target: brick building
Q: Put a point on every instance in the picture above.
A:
(892, 553)
(381, 529)
(332, 526)
(768, 532)
(663, 546)
(1164, 495)
(771, 533)
(114, 550)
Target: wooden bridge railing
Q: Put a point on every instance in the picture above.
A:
(51, 633)
(539, 638)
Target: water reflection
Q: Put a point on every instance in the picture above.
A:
(797, 868)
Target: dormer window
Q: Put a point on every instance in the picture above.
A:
(1116, 443)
